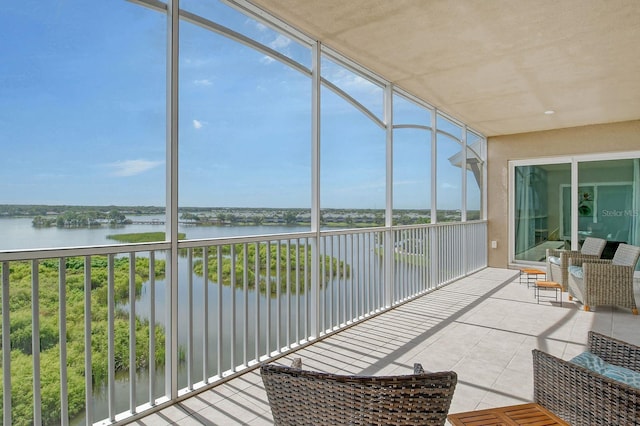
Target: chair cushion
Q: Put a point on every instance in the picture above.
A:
(590, 361)
(554, 259)
(576, 271)
(594, 363)
(621, 374)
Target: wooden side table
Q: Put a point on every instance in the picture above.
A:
(530, 275)
(514, 415)
(549, 285)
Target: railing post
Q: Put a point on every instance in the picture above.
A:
(6, 347)
(389, 242)
(314, 294)
(111, 353)
(434, 253)
(35, 342)
(62, 294)
(171, 297)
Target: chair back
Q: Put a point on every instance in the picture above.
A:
(593, 246)
(626, 255)
(300, 397)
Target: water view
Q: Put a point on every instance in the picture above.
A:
(19, 233)
(221, 316)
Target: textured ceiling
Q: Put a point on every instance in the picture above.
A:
(497, 65)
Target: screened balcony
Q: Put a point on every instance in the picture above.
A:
(334, 182)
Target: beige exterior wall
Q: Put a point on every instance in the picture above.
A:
(613, 137)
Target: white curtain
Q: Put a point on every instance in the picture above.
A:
(530, 182)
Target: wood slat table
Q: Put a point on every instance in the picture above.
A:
(515, 415)
(531, 275)
(548, 285)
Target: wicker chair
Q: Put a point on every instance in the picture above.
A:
(300, 397)
(605, 282)
(558, 260)
(584, 397)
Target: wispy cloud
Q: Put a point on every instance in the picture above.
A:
(280, 42)
(267, 60)
(203, 82)
(132, 167)
(348, 80)
(197, 124)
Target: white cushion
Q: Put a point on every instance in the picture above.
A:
(576, 271)
(554, 259)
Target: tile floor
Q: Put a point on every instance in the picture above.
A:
(483, 327)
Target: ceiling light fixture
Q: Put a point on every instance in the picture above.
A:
(550, 112)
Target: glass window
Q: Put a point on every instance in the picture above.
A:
(607, 206)
(475, 176)
(83, 107)
(450, 160)
(411, 176)
(541, 219)
(353, 166)
(365, 92)
(245, 149)
(406, 112)
(83, 118)
(607, 202)
(411, 163)
(223, 14)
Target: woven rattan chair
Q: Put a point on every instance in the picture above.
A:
(583, 397)
(605, 282)
(301, 397)
(558, 260)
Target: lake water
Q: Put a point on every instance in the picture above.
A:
(18, 233)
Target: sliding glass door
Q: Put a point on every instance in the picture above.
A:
(597, 197)
(536, 209)
(607, 202)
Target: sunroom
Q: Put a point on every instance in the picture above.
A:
(195, 188)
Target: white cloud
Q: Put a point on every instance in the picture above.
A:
(132, 167)
(267, 60)
(261, 27)
(203, 82)
(197, 124)
(348, 80)
(280, 42)
(198, 62)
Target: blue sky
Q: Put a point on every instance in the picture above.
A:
(82, 116)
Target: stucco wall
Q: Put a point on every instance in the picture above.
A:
(613, 137)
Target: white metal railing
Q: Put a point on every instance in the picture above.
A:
(241, 301)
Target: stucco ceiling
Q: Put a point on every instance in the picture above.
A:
(497, 65)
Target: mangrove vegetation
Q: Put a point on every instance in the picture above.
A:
(20, 302)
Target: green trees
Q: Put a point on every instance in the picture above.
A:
(80, 217)
(290, 217)
(21, 331)
(115, 216)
